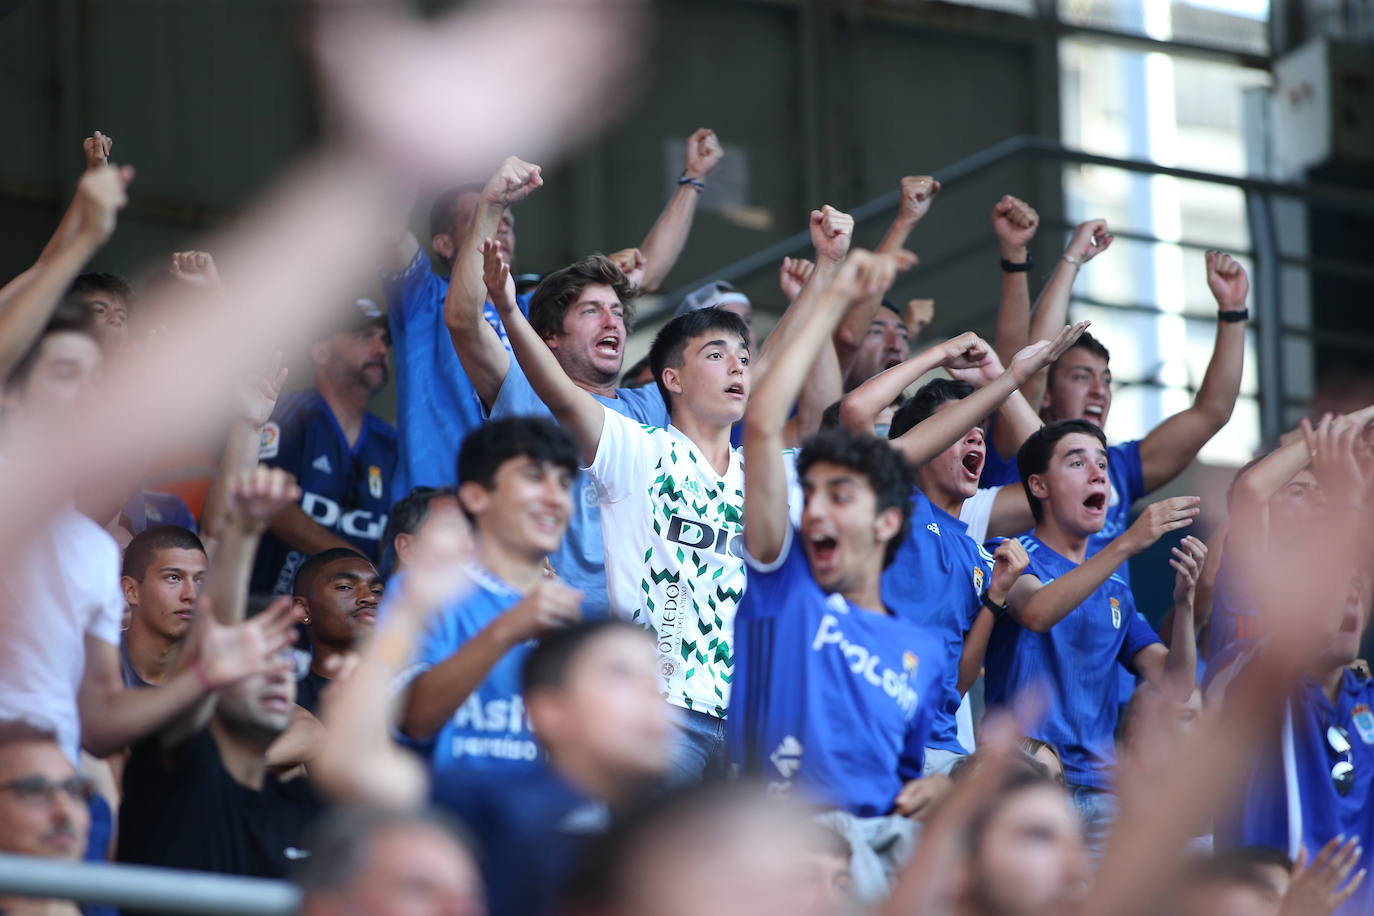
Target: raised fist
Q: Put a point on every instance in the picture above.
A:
(918, 192)
(1014, 221)
(866, 274)
(515, 180)
(1090, 239)
(831, 232)
(100, 195)
(792, 276)
(631, 263)
(97, 149)
(1227, 280)
(966, 351)
(195, 268)
(703, 154)
(1009, 561)
(918, 316)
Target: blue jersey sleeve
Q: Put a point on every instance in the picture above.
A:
(1123, 462)
(412, 290)
(1139, 635)
(517, 396)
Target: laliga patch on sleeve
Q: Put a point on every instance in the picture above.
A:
(271, 441)
(1364, 722)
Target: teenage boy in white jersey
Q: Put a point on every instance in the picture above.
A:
(674, 497)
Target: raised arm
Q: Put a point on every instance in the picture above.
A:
(831, 233)
(765, 483)
(255, 497)
(1038, 606)
(1008, 563)
(1016, 419)
(114, 717)
(943, 428)
(1014, 223)
(479, 347)
(663, 245)
(574, 409)
(918, 193)
(30, 299)
(860, 408)
(1174, 669)
(1172, 445)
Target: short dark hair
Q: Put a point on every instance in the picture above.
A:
(547, 665)
(101, 282)
(495, 442)
(927, 399)
(627, 378)
(310, 570)
(142, 550)
(1085, 342)
(67, 318)
(407, 515)
(1035, 453)
(670, 343)
(880, 464)
(441, 211)
(341, 840)
(551, 299)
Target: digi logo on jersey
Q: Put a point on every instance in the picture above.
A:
(864, 663)
(358, 523)
(701, 536)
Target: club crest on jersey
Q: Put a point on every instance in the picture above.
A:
(910, 661)
(978, 579)
(1116, 614)
(270, 443)
(374, 481)
(1364, 722)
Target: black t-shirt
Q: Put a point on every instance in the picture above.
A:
(308, 690)
(182, 809)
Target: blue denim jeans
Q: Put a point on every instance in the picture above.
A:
(699, 749)
(1097, 810)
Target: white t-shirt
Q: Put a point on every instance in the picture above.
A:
(63, 584)
(674, 531)
(977, 512)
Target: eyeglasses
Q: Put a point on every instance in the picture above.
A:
(1343, 770)
(35, 789)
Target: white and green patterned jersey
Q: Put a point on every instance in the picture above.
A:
(673, 530)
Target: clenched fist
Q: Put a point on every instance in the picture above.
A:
(515, 180)
(704, 153)
(918, 193)
(1227, 280)
(831, 232)
(549, 605)
(1014, 221)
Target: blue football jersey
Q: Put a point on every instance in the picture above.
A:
(1076, 662)
(490, 731)
(436, 405)
(346, 490)
(580, 560)
(1261, 819)
(937, 580)
(829, 701)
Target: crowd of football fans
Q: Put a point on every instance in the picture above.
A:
(833, 619)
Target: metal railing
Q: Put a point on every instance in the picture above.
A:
(1265, 250)
(137, 887)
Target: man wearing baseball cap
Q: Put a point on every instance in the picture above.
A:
(719, 295)
(343, 455)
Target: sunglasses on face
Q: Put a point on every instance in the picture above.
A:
(1343, 770)
(35, 789)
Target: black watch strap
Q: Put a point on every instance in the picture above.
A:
(1011, 267)
(998, 610)
(1242, 315)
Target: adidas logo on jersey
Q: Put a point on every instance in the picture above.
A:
(322, 465)
(787, 757)
(933, 527)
